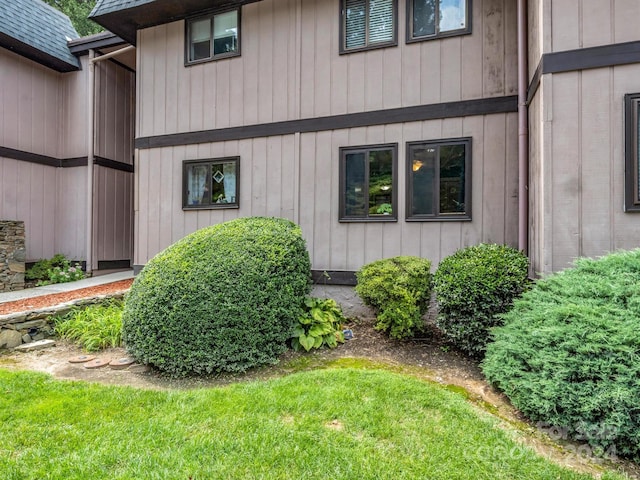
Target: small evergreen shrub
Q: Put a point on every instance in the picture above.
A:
(568, 355)
(40, 270)
(223, 299)
(473, 286)
(320, 325)
(399, 288)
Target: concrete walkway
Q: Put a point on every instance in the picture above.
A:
(65, 287)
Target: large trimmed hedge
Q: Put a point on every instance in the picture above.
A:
(473, 286)
(568, 355)
(223, 299)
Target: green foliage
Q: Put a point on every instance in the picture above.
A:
(78, 11)
(40, 269)
(568, 355)
(399, 288)
(223, 299)
(473, 286)
(94, 327)
(320, 325)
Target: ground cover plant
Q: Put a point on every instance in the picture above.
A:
(223, 299)
(334, 423)
(319, 326)
(568, 355)
(93, 327)
(473, 287)
(399, 289)
(57, 269)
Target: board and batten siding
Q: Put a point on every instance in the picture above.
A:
(578, 166)
(290, 68)
(45, 113)
(296, 177)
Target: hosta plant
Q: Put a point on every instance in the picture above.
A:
(320, 325)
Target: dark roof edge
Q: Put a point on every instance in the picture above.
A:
(36, 55)
(100, 40)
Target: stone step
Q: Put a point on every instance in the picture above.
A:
(39, 345)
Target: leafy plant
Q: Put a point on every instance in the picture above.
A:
(568, 355)
(223, 299)
(399, 288)
(93, 327)
(320, 325)
(473, 286)
(40, 269)
(385, 208)
(65, 273)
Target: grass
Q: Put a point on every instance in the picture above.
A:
(94, 327)
(331, 423)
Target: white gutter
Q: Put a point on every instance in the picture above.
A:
(91, 142)
(523, 130)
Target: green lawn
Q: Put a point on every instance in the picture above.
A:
(322, 424)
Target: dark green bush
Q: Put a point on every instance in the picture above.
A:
(472, 287)
(223, 299)
(568, 355)
(40, 269)
(399, 288)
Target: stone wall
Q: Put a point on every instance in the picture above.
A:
(12, 255)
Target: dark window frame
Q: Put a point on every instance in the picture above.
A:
(631, 153)
(439, 217)
(343, 30)
(410, 38)
(211, 205)
(393, 217)
(210, 15)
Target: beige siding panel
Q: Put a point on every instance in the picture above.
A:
(339, 231)
(250, 61)
(450, 69)
(493, 47)
(511, 200)
(307, 188)
(74, 110)
(475, 127)
(596, 23)
(71, 200)
(493, 182)
(391, 78)
(322, 212)
(565, 28)
(535, 188)
(324, 49)
(535, 34)
(472, 51)
(509, 65)
(430, 82)
(625, 20)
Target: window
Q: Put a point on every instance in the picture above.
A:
(632, 153)
(427, 19)
(212, 37)
(368, 183)
(368, 24)
(211, 183)
(439, 180)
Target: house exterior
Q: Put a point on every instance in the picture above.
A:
(44, 138)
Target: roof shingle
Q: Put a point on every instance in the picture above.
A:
(28, 25)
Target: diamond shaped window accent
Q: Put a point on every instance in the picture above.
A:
(218, 176)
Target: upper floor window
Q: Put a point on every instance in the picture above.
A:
(368, 24)
(214, 36)
(439, 180)
(632, 153)
(368, 183)
(428, 19)
(211, 183)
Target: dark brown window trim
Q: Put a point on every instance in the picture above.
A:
(209, 206)
(23, 156)
(631, 155)
(435, 111)
(584, 59)
(213, 58)
(452, 33)
(466, 216)
(343, 18)
(343, 218)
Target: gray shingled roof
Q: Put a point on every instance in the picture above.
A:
(107, 6)
(39, 26)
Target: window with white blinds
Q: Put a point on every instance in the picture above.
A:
(368, 23)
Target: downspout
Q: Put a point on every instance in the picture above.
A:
(523, 130)
(90, 158)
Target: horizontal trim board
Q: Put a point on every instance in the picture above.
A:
(483, 106)
(592, 57)
(334, 277)
(101, 40)
(23, 156)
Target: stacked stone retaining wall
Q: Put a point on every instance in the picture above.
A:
(12, 255)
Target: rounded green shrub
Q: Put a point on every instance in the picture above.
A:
(399, 288)
(223, 299)
(473, 286)
(568, 355)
